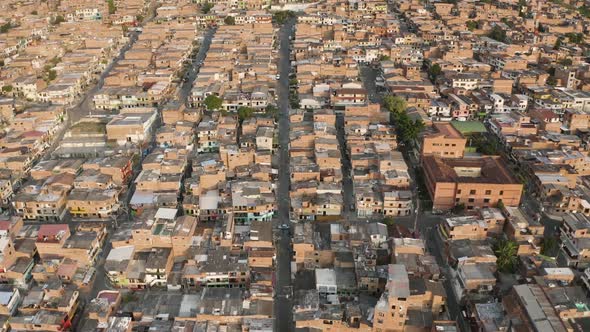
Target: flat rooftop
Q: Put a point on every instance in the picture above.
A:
(485, 170)
(446, 129)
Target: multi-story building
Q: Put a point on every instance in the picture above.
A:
(445, 142)
(481, 182)
(401, 297)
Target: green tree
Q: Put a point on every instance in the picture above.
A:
(498, 34)
(5, 27)
(245, 113)
(7, 88)
(566, 62)
(229, 20)
(407, 129)
(389, 221)
(434, 71)
(394, 104)
(206, 7)
(212, 102)
(484, 144)
(551, 81)
(506, 256)
(139, 18)
(281, 17)
(549, 246)
(471, 25)
(51, 75)
(112, 6)
(584, 11)
(272, 110)
(384, 58)
(575, 38)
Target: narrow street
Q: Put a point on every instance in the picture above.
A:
(194, 68)
(434, 245)
(84, 106)
(283, 302)
(101, 283)
(347, 183)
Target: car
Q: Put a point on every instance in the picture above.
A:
(278, 76)
(284, 226)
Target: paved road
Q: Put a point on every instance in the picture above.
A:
(194, 69)
(85, 106)
(283, 303)
(347, 184)
(435, 245)
(369, 76)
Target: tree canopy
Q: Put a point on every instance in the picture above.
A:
(112, 6)
(498, 34)
(407, 129)
(212, 102)
(245, 113)
(206, 8)
(229, 20)
(5, 27)
(575, 38)
(394, 103)
(282, 16)
(434, 71)
(506, 253)
(566, 62)
(272, 110)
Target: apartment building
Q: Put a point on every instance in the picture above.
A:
(445, 142)
(482, 182)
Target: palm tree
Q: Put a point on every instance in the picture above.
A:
(506, 252)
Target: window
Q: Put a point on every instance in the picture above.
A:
(459, 192)
(471, 192)
(486, 200)
(488, 192)
(471, 200)
(501, 192)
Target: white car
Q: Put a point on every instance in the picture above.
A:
(278, 76)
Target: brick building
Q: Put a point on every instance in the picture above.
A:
(481, 182)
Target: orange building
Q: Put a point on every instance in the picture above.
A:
(477, 182)
(445, 141)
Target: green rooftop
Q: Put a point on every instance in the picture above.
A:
(469, 127)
